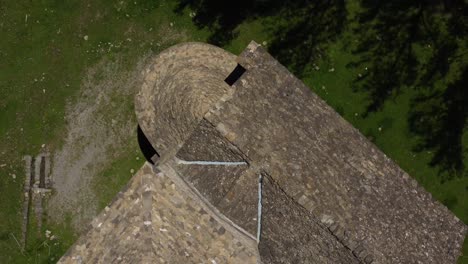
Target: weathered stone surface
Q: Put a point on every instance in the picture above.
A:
(220, 184)
(222, 167)
(328, 167)
(230, 222)
(155, 221)
(291, 234)
(329, 195)
(214, 182)
(241, 202)
(207, 144)
(179, 87)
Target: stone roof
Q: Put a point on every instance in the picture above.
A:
(328, 167)
(179, 87)
(271, 163)
(155, 220)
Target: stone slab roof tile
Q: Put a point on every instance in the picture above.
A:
(328, 195)
(168, 226)
(331, 169)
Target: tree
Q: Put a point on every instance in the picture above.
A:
(299, 28)
(419, 45)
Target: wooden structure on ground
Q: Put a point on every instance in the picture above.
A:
(37, 185)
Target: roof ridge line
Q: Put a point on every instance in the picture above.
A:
(358, 251)
(168, 170)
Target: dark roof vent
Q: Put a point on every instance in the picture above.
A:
(146, 147)
(235, 75)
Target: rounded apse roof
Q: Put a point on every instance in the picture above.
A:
(181, 84)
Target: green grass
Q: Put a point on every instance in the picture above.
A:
(252, 30)
(117, 174)
(43, 46)
(48, 51)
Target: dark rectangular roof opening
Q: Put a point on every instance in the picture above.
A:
(145, 145)
(235, 75)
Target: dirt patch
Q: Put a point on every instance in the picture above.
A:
(99, 124)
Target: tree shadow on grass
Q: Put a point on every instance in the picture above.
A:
(299, 28)
(302, 33)
(439, 119)
(419, 45)
(223, 17)
(387, 59)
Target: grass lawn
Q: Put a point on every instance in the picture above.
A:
(46, 48)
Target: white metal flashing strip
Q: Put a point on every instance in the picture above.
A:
(259, 207)
(213, 163)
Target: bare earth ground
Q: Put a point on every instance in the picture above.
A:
(97, 128)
